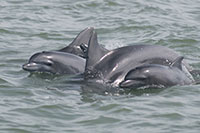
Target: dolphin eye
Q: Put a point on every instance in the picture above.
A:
(48, 63)
(83, 47)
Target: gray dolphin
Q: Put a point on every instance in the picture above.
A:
(56, 63)
(112, 67)
(63, 61)
(157, 75)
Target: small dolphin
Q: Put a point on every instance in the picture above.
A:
(112, 67)
(157, 75)
(56, 63)
(63, 61)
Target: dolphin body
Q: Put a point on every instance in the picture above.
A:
(156, 75)
(68, 60)
(112, 67)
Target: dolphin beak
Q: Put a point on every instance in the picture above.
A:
(131, 83)
(31, 66)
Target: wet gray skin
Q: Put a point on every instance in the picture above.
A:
(80, 44)
(82, 38)
(113, 66)
(156, 75)
(56, 63)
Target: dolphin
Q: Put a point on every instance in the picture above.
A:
(112, 67)
(63, 61)
(55, 62)
(156, 75)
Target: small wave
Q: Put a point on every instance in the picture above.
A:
(5, 84)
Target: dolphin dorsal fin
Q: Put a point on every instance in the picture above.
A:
(82, 37)
(94, 51)
(177, 62)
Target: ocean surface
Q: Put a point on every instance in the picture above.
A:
(44, 103)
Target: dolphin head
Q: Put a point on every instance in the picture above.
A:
(157, 75)
(40, 62)
(147, 75)
(55, 62)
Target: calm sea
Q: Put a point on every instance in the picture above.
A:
(42, 103)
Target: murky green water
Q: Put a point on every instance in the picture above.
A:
(44, 103)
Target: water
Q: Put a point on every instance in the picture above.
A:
(45, 103)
